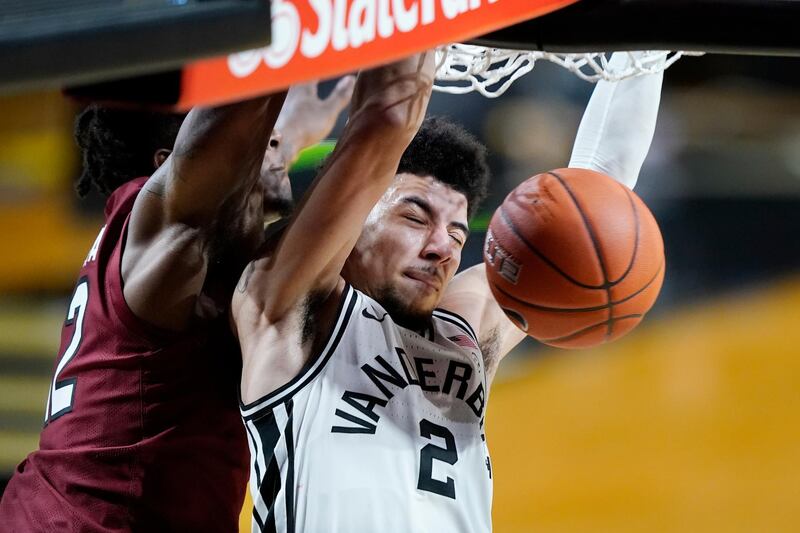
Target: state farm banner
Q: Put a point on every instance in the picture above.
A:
(314, 39)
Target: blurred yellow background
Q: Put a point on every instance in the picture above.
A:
(690, 424)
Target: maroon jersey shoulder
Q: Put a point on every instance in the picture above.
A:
(142, 430)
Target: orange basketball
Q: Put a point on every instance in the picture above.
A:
(574, 258)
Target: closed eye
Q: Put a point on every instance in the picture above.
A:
(413, 219)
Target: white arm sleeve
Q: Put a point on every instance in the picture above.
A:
(618, 124)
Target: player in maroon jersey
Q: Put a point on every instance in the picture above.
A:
(142, 430)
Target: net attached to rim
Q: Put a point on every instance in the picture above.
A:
(465, 68)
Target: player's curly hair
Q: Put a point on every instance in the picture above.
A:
(449, 153)
(118, 145)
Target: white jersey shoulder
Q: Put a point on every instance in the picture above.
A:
(383, 431)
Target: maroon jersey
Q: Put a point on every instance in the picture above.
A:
(142, 430)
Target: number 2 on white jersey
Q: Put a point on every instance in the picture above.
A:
(62, 393)
(431, 452)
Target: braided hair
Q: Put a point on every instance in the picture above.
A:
(118, 145)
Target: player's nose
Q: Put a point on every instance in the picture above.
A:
(275, 139)
(438, 246)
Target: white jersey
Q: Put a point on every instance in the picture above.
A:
(383, 432)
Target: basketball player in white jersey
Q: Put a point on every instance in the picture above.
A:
(366, 372)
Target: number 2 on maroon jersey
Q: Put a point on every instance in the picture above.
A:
(62, 393)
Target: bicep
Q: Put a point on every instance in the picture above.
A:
(469, 295)
(163, 269)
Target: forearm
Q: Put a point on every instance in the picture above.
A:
(618, 125)
(218, 152)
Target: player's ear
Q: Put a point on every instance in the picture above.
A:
(160, 156)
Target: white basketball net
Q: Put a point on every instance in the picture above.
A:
(464, 68)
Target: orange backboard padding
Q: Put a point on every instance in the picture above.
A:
(314, 39)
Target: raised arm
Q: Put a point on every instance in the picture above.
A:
(618, 125)
(614, 138)
(387, 109)
(215, 162)
(275, 291)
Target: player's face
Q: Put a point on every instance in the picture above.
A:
(277, 190)
(410, 247)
